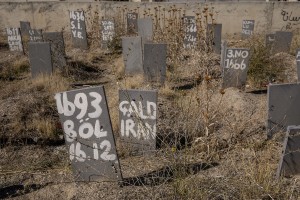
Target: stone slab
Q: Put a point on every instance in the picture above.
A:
(132, 54)
(78, 29)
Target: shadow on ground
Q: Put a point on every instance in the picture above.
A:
(18, 190)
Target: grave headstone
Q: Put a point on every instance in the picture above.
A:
(190, 32)
(132, 25)
(25, 27)
(155, 61)
(40, 58)
(79, 36)
(145, 29)
(14, 39)
(283, 41)
(35, 35)
(214, 35)
(56, 41)
(289, 164)
(132, 54)
(85, 119)
(247, 28)
(138, 114)
(283, 107)
(298, 63)
(223, 52)
(107, 32)
(235, 67)
(270, 40)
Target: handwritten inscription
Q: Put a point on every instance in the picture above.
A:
(77, 17)
(14, 39)
(132, 23)
(35, 35)
(190, 28)
(235, 58)
(108, 30)
(247, 28)
(288, 16)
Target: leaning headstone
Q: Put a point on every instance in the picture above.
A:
(40, 58)
(190, 32)
(132, 54)
(270, 40)
(214, 35)
(298, 63)
(56, 41)
(132, 25)
(35, 35)
(85, 119)
(14, 39)
(247, 28)
(138, 114)
(79, 36)
(235, 67)
(145, 29)
(155, 61)
(107, 32)
(283, 107)
(289, 164)
(25, 27)
(283, 41)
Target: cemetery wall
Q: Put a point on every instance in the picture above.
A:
(54, 16)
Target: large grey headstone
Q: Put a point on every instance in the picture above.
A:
(35, 35)
(145, 29)
(298, 63)
(14, 39)
(56, 41)
(235, 67)
(155, 61)
(132, 25)
(132, 54)
(138, 114)
(107, 32)
(79, 36)
(190, 32)
(247, 28)
(270, 40)
(25, 27)
(283, 107)
(40, 58)
(290, 160)
(88, 134)
(283, 41)
(214, 35)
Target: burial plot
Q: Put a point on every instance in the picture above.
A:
(290, 160)
(56, 41)
(270, 40)
(190, 32)
(14, 39)
(107, 32)
(88, 134)
(283, 41)
(247, 28)
(137, 115)
(235, 67)
(214, 35)
(145, 29)
(298, 63)
(155, 62)
(25, 27)
(283, 107)
(40, 58)
(132, 54)
(132, 24)
(79, 36)
(35, 35)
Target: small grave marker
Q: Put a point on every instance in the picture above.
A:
(79, 36)
(35, 35)
(270, 40)
(235, 67)
(132, 24)
(138, 114)
(25, 27)
(107, 32)
(298, 63)
(132, 54)
(88, 134)
(145, 29)
(283, 41)
(190, 29)
(214, 35)
(247, 28)
(223, 52)
(14, 39)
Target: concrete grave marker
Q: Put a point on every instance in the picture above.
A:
(214, 35)
(247, 28)
(88, 134)
(223, 52)
(107, 32)
(56, 41)
(235, 67)
(137, 115)
(40, 58)
(132, 54)
(298, 63)
(155, 58)
(145, 29)
(79, 36)
(283, 107)
(283, 41)
(190, 32)
(132, 24)
(25, 27)
(35, 35)
(270, 40)
(14, 39)
(290, 160)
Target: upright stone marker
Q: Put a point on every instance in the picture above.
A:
(40, 58)
(79, 37)
(223, 52)
(56, 41)
(138, 114)
(283, 41)
(35, 35)
(145, 29)
(214, 35)
(270, 40)
(155, 61)
(14, 39)
(25, 27)
(190, 32)
(88, 134)
(235, 67)
(107, 32)
(247, 28)
(132, 54)
(132, 25)
(283, 107)
(298, 63)
(290, 160)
